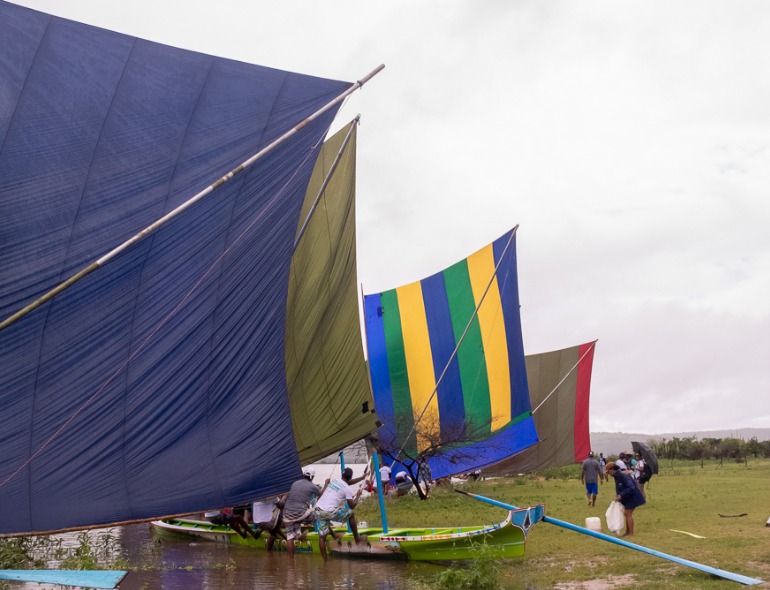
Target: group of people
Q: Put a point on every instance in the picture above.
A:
(630, 474)
(306, 504)
(402, 484)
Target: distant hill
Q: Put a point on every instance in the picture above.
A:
(611, 443)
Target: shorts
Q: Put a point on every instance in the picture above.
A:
(294, 527)
(592, 488)
(324, 518)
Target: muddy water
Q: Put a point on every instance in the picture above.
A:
(173, 564)
(177, 563)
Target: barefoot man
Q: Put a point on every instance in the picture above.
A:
(336, 504)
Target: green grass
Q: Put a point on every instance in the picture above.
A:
(684, 497)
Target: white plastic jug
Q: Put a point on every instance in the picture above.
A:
(594, 523)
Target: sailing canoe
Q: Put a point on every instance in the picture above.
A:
(503, 539)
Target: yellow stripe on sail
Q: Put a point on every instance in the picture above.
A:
(419, 361)
(481, 267)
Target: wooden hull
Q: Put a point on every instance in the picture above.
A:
(504, 539)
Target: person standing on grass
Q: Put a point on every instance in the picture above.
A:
(385, 478)
(602, 468)
(589, 475)
(644, 473)
(627, 493)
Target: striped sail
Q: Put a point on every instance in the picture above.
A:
(447, 363)
(559, 391)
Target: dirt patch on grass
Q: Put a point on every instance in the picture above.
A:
(601, 584)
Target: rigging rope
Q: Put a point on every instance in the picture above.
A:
(565, 377)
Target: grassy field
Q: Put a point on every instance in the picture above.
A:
(685, 496)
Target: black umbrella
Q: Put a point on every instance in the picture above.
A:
(649, 456)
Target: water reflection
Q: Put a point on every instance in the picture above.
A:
(182, 565)
(179, 564)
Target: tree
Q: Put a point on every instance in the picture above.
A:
(427, 438)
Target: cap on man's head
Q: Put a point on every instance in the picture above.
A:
(590, 453)
(610, 466)
(308, 472)
(622, 454)
(347, 473)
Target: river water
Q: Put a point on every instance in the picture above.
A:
(177, 563)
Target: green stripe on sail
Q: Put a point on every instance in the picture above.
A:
(470, 355)
(399, 375)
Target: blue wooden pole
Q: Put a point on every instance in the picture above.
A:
(579, 529)
(342, 468)
(84, 579)
(376, 467)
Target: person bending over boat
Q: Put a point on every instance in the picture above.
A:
(627, 493)
(267, 516)
(337, 504)
(234, 521)
(298, 507)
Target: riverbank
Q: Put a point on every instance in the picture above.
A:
(684, 498)
(726, 505)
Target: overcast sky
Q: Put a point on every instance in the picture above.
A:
(629, 140)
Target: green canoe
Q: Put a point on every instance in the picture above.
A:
(504, 539)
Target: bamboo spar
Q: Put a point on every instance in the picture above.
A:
(191, 201)
(578, 529)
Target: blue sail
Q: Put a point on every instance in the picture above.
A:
(155, 385)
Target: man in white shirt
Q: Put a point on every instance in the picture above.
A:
(267, 516)
(336, 504)
(385, 478)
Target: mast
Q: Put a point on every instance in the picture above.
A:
(191, 201)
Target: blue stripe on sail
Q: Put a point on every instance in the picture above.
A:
(377, 355)
(466, 458)
(442, 342)
(509, 295)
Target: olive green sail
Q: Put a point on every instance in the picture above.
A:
(326, 374)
